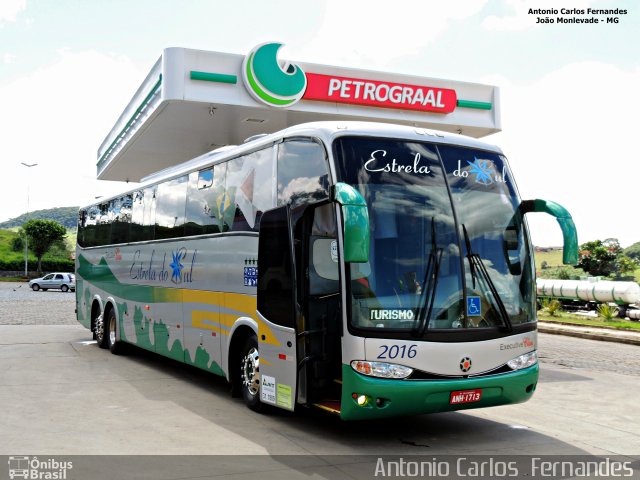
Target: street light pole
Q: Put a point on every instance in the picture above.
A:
(26, 241)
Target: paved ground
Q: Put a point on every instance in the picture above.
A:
(62, 395)
(578, 353)
(21, 306)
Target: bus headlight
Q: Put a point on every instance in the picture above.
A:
(381, 369)
(523, 361)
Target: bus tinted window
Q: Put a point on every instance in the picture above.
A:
(248, 190)
(120, 214)
(149, 217)
(237, 205)
(170, 208)
(137, 217)
(205, 193)
(275, 277)
(90, 226)
(303, 172)
(82, 221)
(103, 225)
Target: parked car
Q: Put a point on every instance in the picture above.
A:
(62, 281)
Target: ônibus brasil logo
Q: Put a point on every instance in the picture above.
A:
(270, 82)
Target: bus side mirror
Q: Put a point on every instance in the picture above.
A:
(569, 234)
(356, 222)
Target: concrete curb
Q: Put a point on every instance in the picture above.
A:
(601, 334)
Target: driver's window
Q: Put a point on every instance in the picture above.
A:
(323, 261)
(303, 172)
(48, 277)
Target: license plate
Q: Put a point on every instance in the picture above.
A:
(465, 396)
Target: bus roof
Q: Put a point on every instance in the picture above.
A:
(193, 101)
(326, 131)
(323, 130)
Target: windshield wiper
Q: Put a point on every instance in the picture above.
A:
(476, 264)
(430, 282)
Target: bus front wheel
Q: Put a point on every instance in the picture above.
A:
(250, 373)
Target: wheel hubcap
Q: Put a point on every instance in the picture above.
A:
(112, 331)
(99, 328)
(251, 371)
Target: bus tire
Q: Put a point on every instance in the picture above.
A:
(113, 344)
(249, 366)
(100, 331)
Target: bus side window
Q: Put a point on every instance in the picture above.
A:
(103, 226)
(249, 190)
(82, 222)
(170, 208)
(90, 226)
(303, 172)
(137, 217)
(149, 217)
(204, 198)
(120, 217)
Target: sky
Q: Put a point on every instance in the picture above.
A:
(569, 92)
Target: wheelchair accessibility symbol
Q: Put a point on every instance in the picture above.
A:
(473, 306)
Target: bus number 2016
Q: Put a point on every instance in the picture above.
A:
(398, 351)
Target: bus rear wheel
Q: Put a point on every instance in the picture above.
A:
(250, 373)
(100, 331)
(114, 345)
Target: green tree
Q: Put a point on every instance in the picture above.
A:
(17, 242)
(633, 251)
(625, 266)
(42, 235)
(605, 258)
(598, 257)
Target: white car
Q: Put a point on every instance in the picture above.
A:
(62, 281)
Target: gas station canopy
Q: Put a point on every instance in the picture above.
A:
(194, 101)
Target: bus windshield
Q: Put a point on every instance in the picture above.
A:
(448, 249)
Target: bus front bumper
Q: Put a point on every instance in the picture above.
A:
(391, 398)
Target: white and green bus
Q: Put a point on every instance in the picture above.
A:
(370, 270)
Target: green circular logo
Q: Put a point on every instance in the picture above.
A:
(270, 82)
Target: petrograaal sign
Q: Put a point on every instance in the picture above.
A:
(374, 93)
(282, 84)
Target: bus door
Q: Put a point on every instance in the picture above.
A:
(299, 302)
(277, 310)
(319, 323)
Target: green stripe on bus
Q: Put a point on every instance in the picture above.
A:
(400, 395)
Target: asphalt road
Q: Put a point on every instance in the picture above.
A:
(61, 395)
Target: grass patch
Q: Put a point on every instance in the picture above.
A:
(13, 279)
(552, 257)
(564, 317)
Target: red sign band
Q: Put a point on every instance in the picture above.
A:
(374, 93)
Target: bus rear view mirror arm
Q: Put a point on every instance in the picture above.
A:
(569, 234)
(356, 222)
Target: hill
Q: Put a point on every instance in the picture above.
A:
(66, 216)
